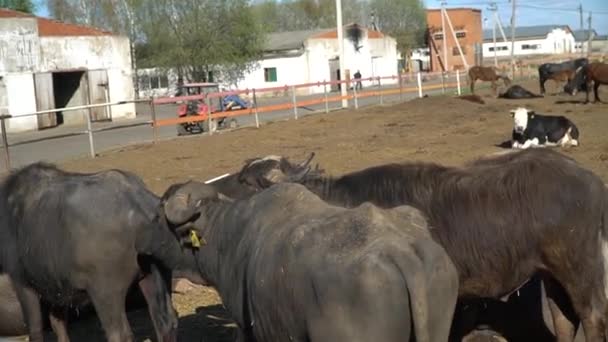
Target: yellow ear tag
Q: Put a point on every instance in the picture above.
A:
(196, 242)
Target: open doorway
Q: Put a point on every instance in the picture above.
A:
(68, 92)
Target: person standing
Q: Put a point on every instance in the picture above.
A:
(358, 85)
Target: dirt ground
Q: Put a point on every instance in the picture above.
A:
(439, 129)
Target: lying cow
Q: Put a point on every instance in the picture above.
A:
(518, 92)
(529, 208)
(536, 130)
(69, 238)
(290, 267)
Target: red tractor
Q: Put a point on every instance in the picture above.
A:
(207, 106)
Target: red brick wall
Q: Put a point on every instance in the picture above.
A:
(466, 21)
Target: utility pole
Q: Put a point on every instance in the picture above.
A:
(580, 14)
(513, 40)
(493, 8)
(341, 52)
(590, 37)
(444, 37)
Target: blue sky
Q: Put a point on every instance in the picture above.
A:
(529, 12)
(539, 12)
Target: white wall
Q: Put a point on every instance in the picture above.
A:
(290, 70)
(19, 45)
(557, 41)
(21, 100)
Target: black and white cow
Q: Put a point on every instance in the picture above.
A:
(536, 130)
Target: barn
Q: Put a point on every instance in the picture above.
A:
(46, 64)
(530, 40)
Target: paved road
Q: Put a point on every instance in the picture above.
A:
(68, 142)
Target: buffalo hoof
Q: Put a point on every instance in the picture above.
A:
(484, 336)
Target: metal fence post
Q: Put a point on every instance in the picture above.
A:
(325, 94)
(255, 109)
(154, 126)
(356, 97)
(458, 81)
(294, 101)
(380, 90)
(443, 82)
(400, 87)
(90, 132)
(7, 157)
(419, 84)
(208, 112)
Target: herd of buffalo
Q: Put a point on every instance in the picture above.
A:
(515, 244)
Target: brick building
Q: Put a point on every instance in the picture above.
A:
(466, 23)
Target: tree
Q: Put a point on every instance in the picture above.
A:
(405, 20)
(19, 5)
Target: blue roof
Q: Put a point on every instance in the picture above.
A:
(524, 32)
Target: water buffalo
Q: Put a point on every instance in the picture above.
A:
(290, 267)
(69, 239)
(487, 74)
(518, 92)
(596, 73)
(547, 70)
(502, 220)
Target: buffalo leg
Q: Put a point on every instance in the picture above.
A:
(472, 82)
(156, 288)
(30, 304)
(564, 318)
(542, 85)
(58, 324)
(109, 303)
(494, 88)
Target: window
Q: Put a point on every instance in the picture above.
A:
(164, 81)
(144, 82)
(461, 34)
(499, 48)
(438, 36)
(270, 74)
(455, 51)
(530, 46)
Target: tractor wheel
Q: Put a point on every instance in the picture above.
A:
(181, 130)
(233, 124)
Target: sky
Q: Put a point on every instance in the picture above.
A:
(539, 12)
(528, 12)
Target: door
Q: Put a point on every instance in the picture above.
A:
(45, 99)
(334, 73)
(99, 92)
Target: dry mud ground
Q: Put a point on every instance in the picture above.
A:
(439, 129)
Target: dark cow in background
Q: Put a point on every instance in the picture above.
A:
(595, 73)
(502, 220)
(518, 92)
(70, 238)
(546, 71)
(536, 130)
(488, 74)
(290, 267)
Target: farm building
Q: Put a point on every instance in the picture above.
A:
(462, 23)
(530, 40)
(302, 57)
(46, 64)
(599, 43)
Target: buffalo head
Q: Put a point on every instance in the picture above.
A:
(183, 204)
(261, 173)
(578, 82)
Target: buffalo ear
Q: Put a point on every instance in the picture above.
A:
(531, 114)
(512, 112)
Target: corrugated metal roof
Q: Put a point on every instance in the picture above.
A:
(49, 27)
(523, 32)
(292, 40)
(582, 35)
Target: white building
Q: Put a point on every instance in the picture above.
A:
(599, 43)
(304, 57)
(530, 40)
(46, 64)
(421, 59)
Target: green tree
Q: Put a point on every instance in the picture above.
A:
(19, 5)
(405, 20)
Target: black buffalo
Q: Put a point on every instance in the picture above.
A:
(546, 70)
(69, 239)
(502, 220)
(290, 267)
(518, 92)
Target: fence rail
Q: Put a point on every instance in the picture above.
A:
(382, 87)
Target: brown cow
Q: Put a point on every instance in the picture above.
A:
(501, 219)
(487, 74)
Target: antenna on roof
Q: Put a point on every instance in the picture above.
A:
(373, 21)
